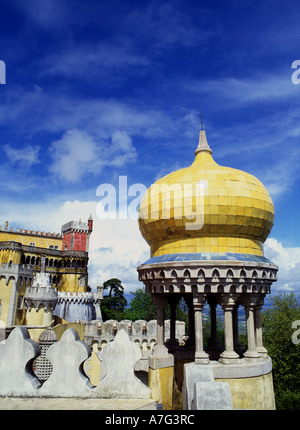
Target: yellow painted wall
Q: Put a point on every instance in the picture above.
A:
(5, 292)
(61, 328)
(35, 316)
(20, 313)
(92, 366)
(256, 393)
(10, 255)
(26, 239)
(160, 382)
(70, 282)
(252, 393)
(5, 296)
(38, 317)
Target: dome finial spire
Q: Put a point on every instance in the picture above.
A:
(203, 145)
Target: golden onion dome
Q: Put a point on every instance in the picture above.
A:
(206, 208)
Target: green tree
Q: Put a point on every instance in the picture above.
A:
(277, 334)
(114, 303)
(141, 307)
(181, 313)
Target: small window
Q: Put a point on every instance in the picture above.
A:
(82, 281)
(51, 247)
(32, 244)
(20, 302)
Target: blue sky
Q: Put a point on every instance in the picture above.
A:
(101, 89)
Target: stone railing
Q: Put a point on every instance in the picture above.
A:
(17, 378)
(141, 332)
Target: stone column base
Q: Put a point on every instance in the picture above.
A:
(157, 362)
(229, 357)
(201, 358)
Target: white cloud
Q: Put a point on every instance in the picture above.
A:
(116, 249)
(121, 150)
(94, 60)
(77, 153)
(288, 262)
(26, 156)
(37, 110)
(260, 88)
(74, 154)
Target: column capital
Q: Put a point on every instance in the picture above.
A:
(199, 301)
(228, 301)
(248, 301)
(212, 300)
(260, 301)
(160, 300)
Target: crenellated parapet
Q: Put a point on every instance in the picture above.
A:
(81, 306)
(40, 295)
(30, 232)
(81, 297)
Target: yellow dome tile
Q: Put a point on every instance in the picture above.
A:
(238, 211)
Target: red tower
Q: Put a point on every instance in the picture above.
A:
(76, 235)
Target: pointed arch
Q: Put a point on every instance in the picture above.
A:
(186, 274)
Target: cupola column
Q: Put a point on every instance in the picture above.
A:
(258, 327)
(200, 355)
(191, 338)
(238, 347)
(227, 301)
(160, 301)
(173, 301)
(214, 347)
(249, 302)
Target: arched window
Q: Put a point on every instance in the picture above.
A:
(216, 274)
(243, 274)
(186, 274)
(201, 274)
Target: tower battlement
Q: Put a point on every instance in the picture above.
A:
(75, 225)
(75, 235)
(41, 292)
